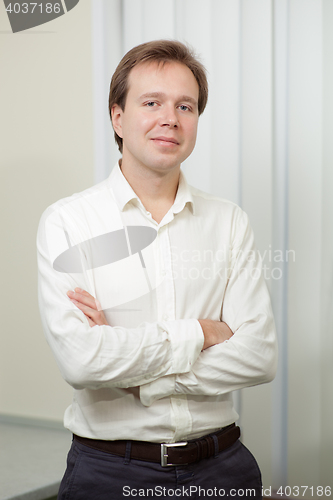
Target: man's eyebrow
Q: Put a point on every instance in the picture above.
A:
(186, 98)
(183, 98)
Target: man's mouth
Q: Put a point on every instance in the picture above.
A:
(166, 140)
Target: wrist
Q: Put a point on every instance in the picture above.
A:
(215, 332)
(208, 332)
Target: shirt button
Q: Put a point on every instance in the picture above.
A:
(163, 272)
(179, 403)
(165, 317)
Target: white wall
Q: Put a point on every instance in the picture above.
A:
(326, 307)
(306, 231)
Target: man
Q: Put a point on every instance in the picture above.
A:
(182, 315)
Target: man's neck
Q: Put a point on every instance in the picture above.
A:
(157, 191)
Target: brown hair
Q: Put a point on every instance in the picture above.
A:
(160, 51)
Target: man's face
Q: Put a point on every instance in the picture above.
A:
(159, 123)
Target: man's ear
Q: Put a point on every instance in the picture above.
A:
(116, 116)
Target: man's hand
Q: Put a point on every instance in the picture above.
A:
(215, 332)
(88, 305)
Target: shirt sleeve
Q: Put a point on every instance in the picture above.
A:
(105, 356)
(249, 357)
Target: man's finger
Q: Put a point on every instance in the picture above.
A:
(88, 311)
(95, 315)
(84, 298)
(83, 292)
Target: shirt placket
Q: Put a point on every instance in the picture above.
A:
(181, 420)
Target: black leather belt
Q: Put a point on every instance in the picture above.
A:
(168, 454)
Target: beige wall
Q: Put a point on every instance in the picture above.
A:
(46, 154)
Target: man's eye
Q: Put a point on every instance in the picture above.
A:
(184, 108)
(150, 104)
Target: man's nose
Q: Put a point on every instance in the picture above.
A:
(169, 117)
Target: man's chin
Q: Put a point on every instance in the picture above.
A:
(166, 162)
(164, 167)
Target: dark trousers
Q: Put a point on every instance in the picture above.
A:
(96, 475)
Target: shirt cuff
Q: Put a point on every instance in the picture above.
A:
(158, 389)
(187, 339)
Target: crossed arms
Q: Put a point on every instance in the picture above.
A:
(214, 332)
(186, 356)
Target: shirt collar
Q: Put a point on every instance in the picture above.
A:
(123, 193)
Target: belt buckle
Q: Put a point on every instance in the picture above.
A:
(164, 455)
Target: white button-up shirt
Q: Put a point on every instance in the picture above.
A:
(145, 377)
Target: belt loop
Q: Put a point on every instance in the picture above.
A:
(199, 448)
(128, 452)
(216, 445)
(205, 446)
